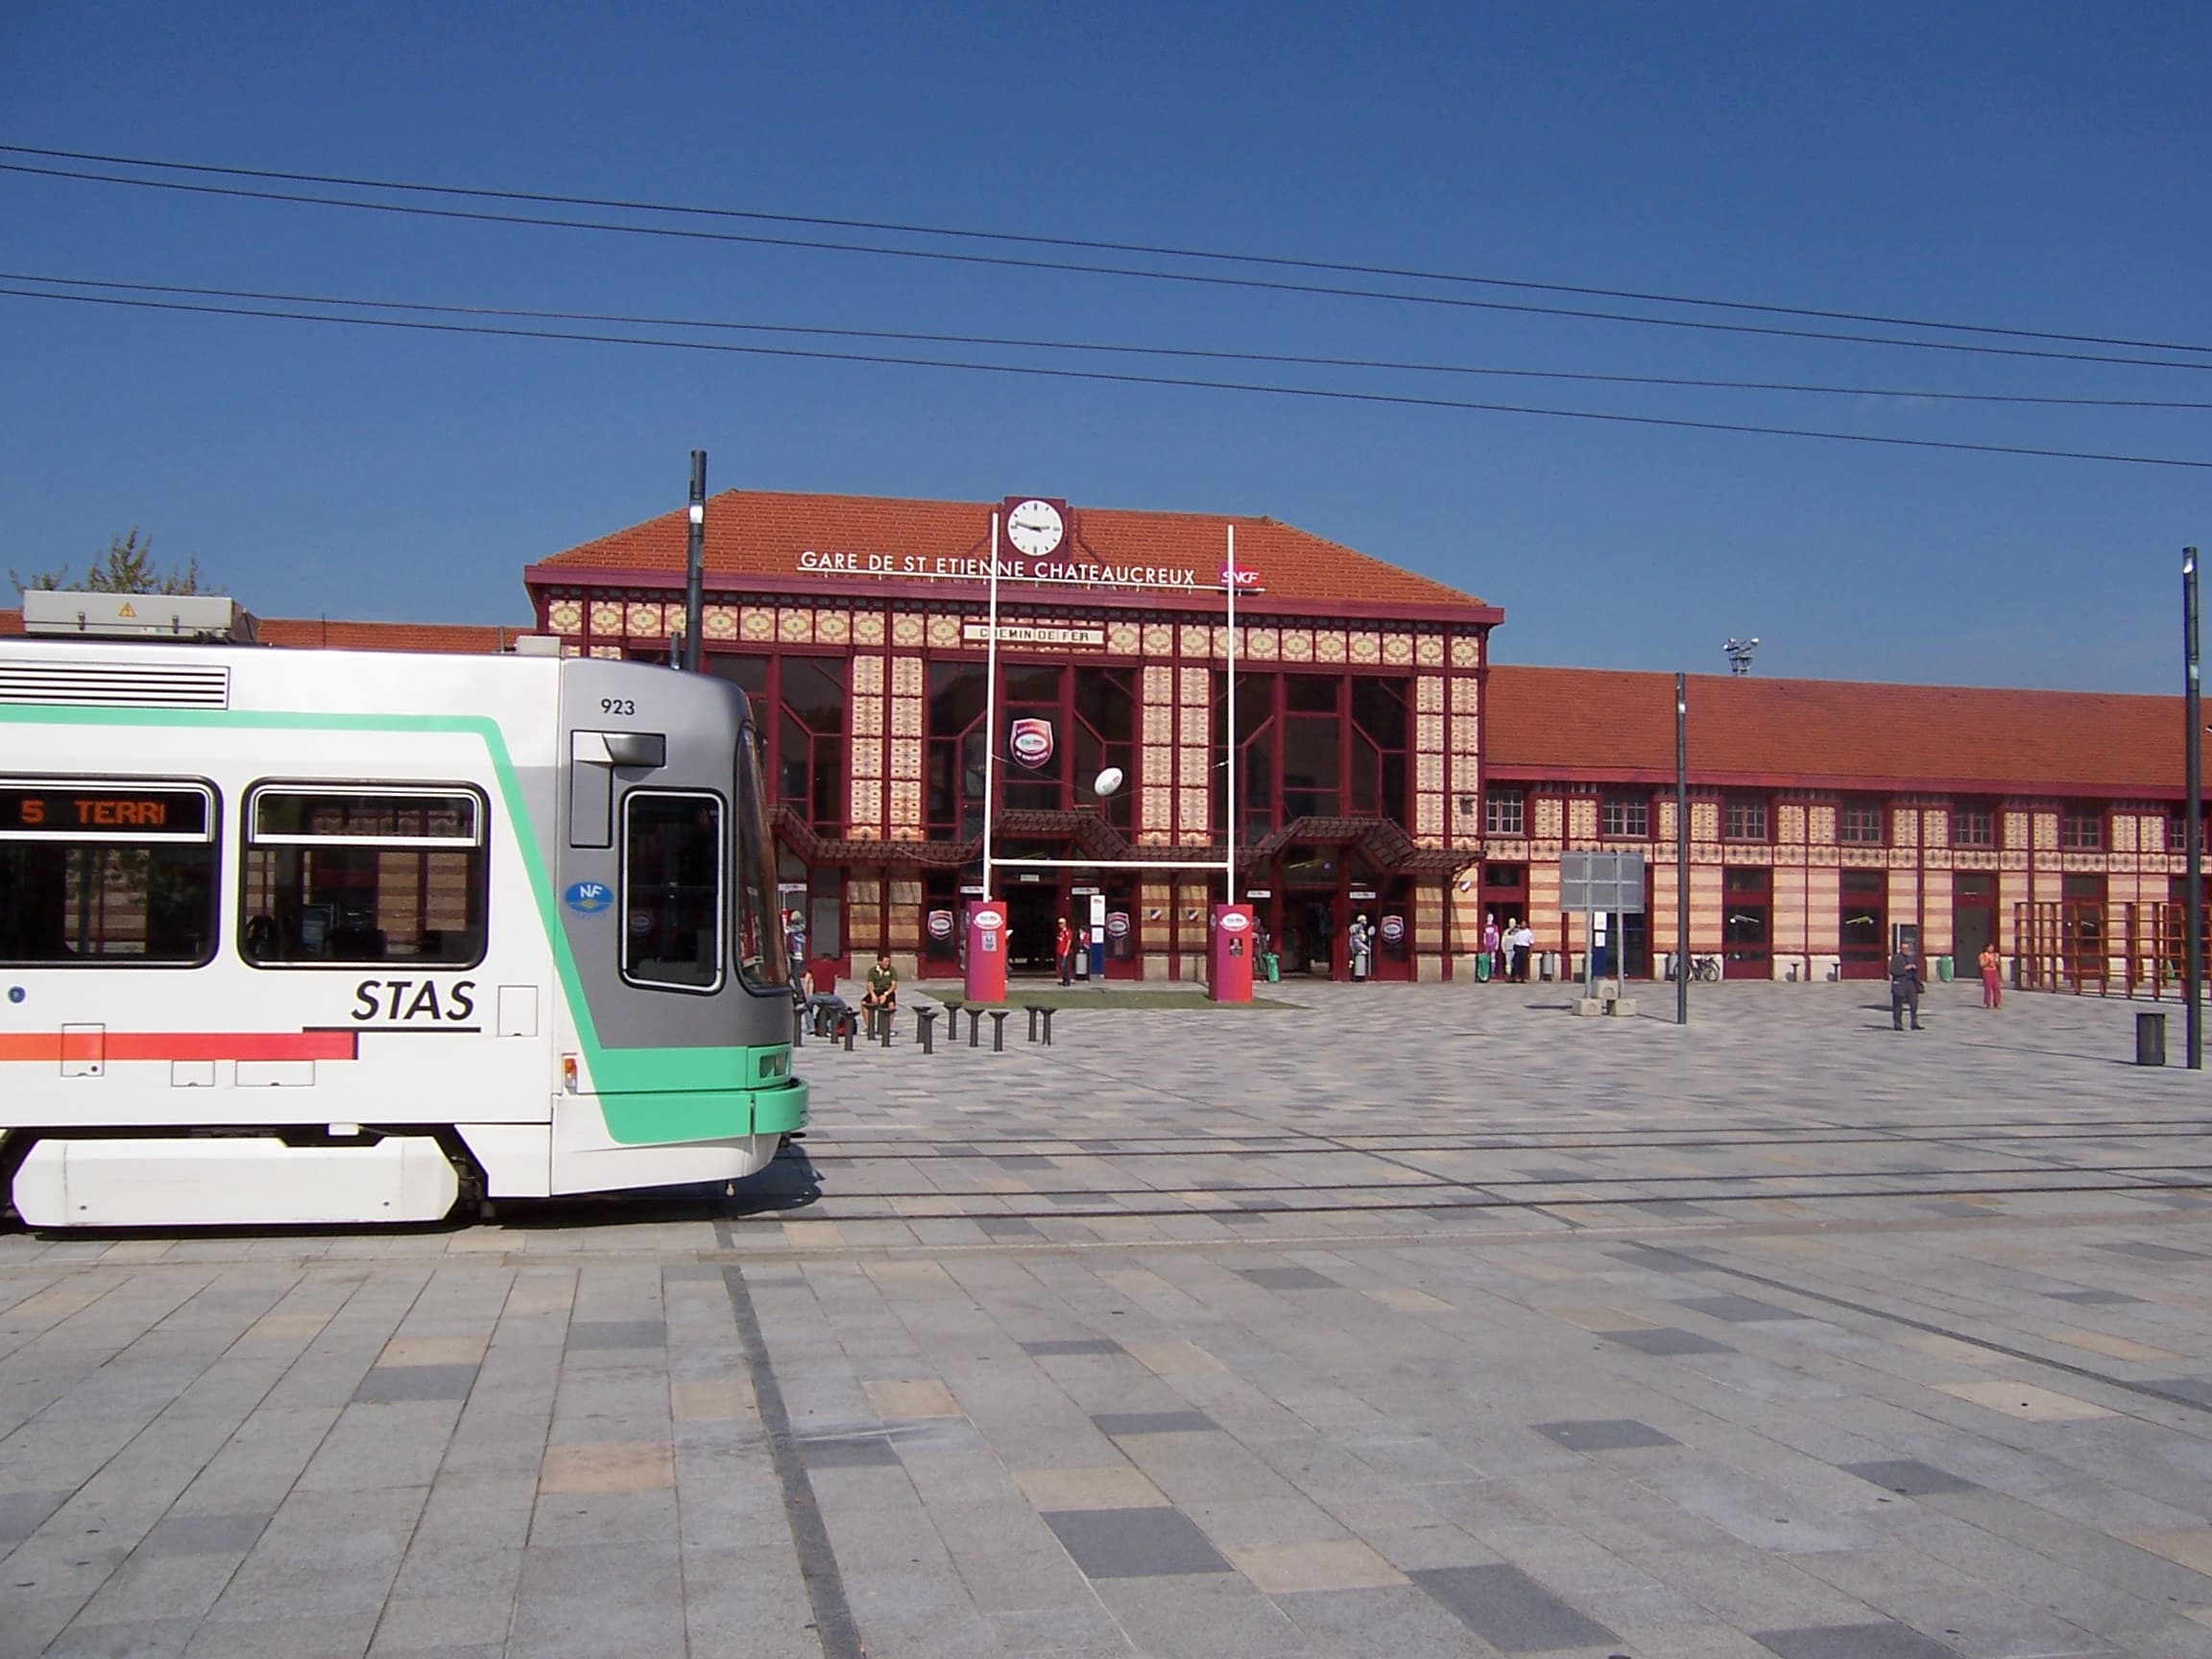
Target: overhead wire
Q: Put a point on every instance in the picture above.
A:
(1099, 245)
(1113, 377)
(1082, 268)
(1107, 348)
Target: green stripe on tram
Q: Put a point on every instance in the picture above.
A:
(648, 1096)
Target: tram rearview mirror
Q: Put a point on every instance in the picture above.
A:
(622, 748)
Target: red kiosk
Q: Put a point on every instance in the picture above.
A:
(1229, 937)
(986, 951)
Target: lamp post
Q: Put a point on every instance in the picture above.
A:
(695, 565)
(2193, 981)
(1681, 851)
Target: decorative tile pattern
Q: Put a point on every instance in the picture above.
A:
(1429, 694)
(906, 716)
(1123, 639)
(1398, 649)
(867, 676)
(721, 622)
(906, 676)
(1466, 651)
(1363, 646)
(1297, 644)
(1196, 686)
(944, 633)
(906, 758)
(1428, 733)
(756, 624)
(867, 716)
(1195, 723)
(1328, 645)
(868, 628)
(564, 615)
(606, 617)
(1429, 650)
(1264, 644)
(907, 630)
(832, 627)
(1197, 639)
(1465, 693)
(794, 626)
(1159, 725)
(1158, 639)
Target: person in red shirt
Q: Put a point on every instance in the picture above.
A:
(1064, 951)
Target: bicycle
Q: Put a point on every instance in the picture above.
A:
(1704, 968)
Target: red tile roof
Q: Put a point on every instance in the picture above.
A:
(1604, 725)
(457, 638)
(762, 533)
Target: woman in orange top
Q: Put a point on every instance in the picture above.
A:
(1064, 951)
(1993, 993)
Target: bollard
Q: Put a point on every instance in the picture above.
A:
(850, 1027)
(1032, 1010)
(798, 1025)
(1048, 1013)
(884, 1020)
(975, 1026)
(2150, 1037)
(923, 1019)
(999, 1029)
(952, 1008)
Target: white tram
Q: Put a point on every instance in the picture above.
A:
(316, 936)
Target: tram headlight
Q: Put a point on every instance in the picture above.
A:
(777, 1063)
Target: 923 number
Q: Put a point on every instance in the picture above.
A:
(617, 706)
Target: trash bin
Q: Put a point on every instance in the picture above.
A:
(2150, 1037)
(1482, 966)
(1271, 965)
(1943, 968)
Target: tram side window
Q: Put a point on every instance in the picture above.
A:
(99, 873)
(672, 890)
(345, 877)
(762, 963)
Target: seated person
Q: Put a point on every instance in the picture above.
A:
(826, 1010)
(882, 985)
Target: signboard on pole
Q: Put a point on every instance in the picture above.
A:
(1612, 882)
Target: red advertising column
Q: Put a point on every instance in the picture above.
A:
(1229, 956)
(986, 951)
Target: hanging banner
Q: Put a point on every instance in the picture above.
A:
(1031, 742)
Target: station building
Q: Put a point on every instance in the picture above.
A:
(1384, 765)
(860, 627)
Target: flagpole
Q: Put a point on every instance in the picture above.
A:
(991, 709)
(1229, 742)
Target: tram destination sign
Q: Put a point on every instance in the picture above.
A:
(62, 812)
(1611, 882)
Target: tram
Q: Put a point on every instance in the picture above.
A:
(306, 936)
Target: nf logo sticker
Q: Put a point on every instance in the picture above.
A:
(1031, 742)
(589, 897)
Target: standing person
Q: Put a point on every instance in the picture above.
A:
(1360, 937)
(1064, 951)
(1524, 950)
(1993, 993)
(795, 938)
(1905, 983)
(1486, 963)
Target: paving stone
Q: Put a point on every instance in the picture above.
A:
(23, 1513)
(1603, 1434)
(1738, 1309)
(387, 1385)
(2143, 1251)
(1134, 1543)
(1510, 1610)
(1288, 1278)
(1856, 1641)
(850, 1451)
(203, 1535)
(1060, 1346)
(1123, 1422)
(2097, 1298)
(591, 1334)
(1665, 1340)
(1909, 1477)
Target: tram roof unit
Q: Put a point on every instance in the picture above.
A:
(1613, 726)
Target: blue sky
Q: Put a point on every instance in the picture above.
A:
(2027, 165)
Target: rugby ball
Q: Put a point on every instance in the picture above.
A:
(1107, 782)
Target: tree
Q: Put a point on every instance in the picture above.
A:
(127, 568)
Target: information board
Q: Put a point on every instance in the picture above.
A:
(1609, 882)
